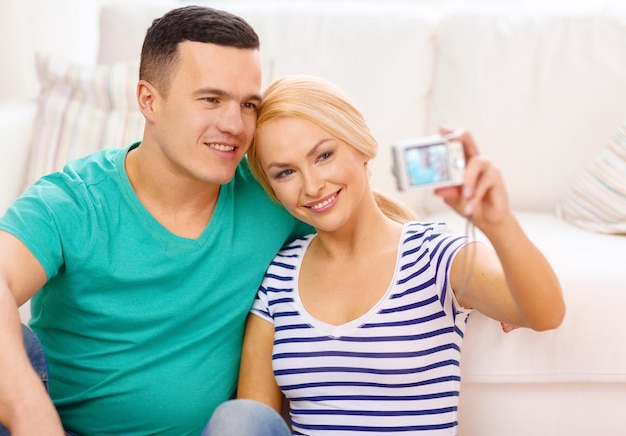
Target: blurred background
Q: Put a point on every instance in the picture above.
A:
(69, 29)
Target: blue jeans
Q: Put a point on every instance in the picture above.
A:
(246, 417)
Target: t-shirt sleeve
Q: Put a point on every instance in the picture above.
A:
(444, 246)
(260, 307)
(32, 220)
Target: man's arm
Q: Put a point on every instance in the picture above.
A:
(25, 407)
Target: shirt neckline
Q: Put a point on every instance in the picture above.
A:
(337, 331)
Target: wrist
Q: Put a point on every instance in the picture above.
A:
(22, 401)
(503, 229)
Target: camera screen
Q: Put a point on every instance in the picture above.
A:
(427, 164)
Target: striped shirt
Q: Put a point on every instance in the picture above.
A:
(393, 371)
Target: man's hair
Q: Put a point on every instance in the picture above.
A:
(159, 54)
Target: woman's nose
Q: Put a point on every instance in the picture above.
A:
(313, 183)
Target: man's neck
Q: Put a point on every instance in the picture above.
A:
(183, 206)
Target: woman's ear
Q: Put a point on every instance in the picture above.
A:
(365, 158)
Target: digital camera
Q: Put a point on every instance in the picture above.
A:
(428, 162)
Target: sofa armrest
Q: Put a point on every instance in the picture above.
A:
(17, 118)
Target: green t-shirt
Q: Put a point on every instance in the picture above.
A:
(142, 328)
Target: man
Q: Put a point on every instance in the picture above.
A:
(143, 262)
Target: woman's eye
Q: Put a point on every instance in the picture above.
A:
(283, 174)
(325, 155)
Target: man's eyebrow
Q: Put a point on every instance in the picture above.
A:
(221, 93)
(212, 91)
(311, 152)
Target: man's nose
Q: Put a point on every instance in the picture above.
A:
(231, 119)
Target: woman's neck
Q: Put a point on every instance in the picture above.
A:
(367, 233)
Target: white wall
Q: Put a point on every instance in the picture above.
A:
(10, 53)
(69, 29)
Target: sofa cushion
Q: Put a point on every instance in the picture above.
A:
(80, 110)
(584, 348)
(597, 200)
(17, 118)
(540, 90)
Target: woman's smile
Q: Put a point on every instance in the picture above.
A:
(323, 204)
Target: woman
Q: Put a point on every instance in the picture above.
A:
(360, 325)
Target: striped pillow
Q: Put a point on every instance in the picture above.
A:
(80, 110)
(597, 200)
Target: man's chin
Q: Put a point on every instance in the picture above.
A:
(224, 178)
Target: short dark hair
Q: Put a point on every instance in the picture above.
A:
(159, 54)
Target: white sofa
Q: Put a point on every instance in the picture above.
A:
(541, 90)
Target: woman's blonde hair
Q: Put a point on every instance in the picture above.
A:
(318, 101)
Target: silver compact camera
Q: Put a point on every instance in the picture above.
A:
(428, 162)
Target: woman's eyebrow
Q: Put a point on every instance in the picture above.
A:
(317, 146)
(311, 152)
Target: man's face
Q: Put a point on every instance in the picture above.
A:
(205, 123)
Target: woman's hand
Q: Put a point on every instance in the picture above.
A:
(483, 195)
(515, 284)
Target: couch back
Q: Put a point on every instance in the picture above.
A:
(542, 91)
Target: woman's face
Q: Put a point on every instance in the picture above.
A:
(317, 177)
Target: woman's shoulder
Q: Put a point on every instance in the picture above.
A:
(417, 229)
(296, 247)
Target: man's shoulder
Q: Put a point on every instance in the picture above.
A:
(247, 187)
(96, 163)
(244, 174)
(253, 206)
(74, 185)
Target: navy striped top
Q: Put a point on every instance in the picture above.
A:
(393, 371)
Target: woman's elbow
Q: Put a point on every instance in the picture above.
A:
(551, 319)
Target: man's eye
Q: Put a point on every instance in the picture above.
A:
(212, 100)
(251, 106)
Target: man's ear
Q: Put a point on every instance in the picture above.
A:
(146, 98)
